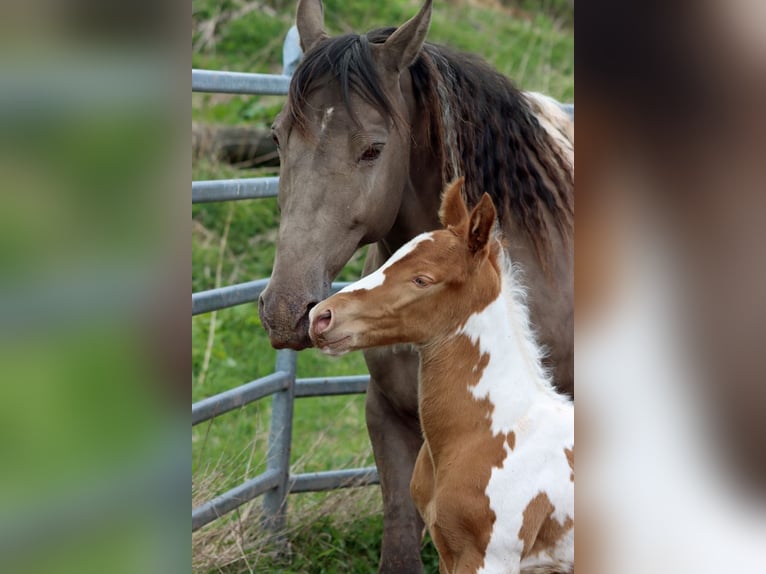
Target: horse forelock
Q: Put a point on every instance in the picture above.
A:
(346, 60)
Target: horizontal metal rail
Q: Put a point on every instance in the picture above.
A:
(229, 296)
(232, 295)
(239, 83)
(234, 498)
(324, 387)
(268, 480)
(332, 479)
(260, 388)
(239, 396)
(234, 189)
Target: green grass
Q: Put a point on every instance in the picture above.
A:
(234, 242)
(240, 350)
(532, 48)
(339, 532)
(328, 432)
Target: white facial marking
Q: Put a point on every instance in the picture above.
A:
(376, 278)
(326, 118)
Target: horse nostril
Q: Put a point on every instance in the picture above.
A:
(323, 322)
(261, 314)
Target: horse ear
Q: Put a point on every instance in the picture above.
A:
(453, 211)
(482, 221)
(402, 47)
(310, 22)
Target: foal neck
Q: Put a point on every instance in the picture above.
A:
(490, 366)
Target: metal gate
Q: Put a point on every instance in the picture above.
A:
(276, 482)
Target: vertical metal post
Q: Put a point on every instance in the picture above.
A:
(280, 442)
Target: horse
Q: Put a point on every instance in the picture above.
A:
(374, 126)
(494, 479)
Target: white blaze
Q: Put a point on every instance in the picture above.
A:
(326, 117)
(376, 278)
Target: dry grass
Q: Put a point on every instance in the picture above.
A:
(318, 522)
(236, 543)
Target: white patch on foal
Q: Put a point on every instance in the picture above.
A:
(376, 278)
(541, 420)
(514, 376)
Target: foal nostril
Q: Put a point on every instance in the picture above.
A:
(322, 322)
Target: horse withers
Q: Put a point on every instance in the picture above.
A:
(373, 128)
(494, 479)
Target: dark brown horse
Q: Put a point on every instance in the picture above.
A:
(373, 128)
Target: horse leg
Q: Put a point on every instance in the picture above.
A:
(396, 440)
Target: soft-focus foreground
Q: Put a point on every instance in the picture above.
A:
(670, 288)
(93, 438)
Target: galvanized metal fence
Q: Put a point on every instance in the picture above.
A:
(276, 482)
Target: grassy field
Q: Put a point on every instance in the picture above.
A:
(234, 242)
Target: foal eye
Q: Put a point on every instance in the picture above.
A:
(371, 153)
(421, 281)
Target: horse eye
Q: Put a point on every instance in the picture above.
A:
(371, 153)
(275, 138)
(421, 281)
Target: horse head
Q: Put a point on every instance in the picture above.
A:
(344, 141)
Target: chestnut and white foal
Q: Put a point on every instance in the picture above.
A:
(494, 480)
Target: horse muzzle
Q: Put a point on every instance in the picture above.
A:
(286, 321)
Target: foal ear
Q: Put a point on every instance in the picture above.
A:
(453, 211)
(310, 22)
(402, 47)
(482, 221)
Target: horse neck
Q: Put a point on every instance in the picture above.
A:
(421, 196)
(492, 360)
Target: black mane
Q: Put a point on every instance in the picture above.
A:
(478, 120)
(347, 58)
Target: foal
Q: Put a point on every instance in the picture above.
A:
(494, 480)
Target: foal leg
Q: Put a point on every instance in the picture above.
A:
(396, 438)
(470, 560)
(422, 485)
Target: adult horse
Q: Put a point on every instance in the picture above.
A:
(373, 128)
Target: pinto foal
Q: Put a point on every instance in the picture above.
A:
(494, 480)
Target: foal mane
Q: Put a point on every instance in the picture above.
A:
(480, 126)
